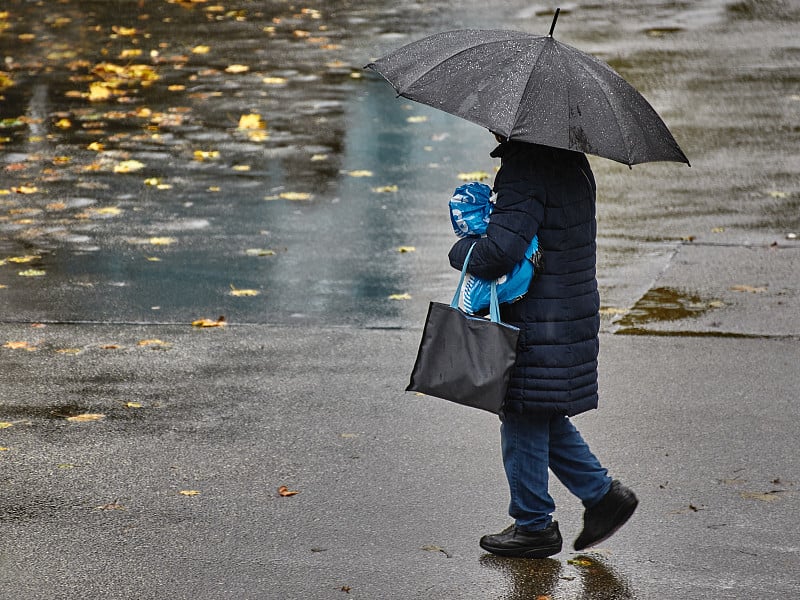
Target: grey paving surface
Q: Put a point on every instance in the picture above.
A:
(394, 489)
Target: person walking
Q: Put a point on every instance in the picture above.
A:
(549, 192)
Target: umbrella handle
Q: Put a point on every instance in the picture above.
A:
(553, 25)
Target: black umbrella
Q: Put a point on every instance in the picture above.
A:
(534, 89)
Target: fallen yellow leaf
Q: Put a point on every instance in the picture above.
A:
(274, 80)
(580, 562)
(259, 252)
(25, 189)
(403, 296)
(202, 155)
(161, 241)
(98, 92)
(404, 249)
(235, 69)
(237, 292)
(130, 53)
(32, 273)
(129, 31)
(5, 424)
(128, 166)
(23, 259)
(201, 50)
(209, 323)
(384, 189)
(152, 342)
(295, 196)
(68, 350)
(189, 493)
(133, 405)
(18, 346)
(257, 136)
(86, 418)
(360, 173)
(417, 119)
(106, 210)
(252, 121)
(96, 146)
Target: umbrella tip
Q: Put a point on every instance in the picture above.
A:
(553, 25)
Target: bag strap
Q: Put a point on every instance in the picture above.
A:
(494, 305)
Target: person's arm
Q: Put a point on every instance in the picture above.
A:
(515, 220)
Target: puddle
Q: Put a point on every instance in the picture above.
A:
(663, 304)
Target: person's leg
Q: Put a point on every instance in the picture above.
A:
(525, 441)
(534, 534)
(573, 463)
(609, 504)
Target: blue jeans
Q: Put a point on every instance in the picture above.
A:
(531, 444)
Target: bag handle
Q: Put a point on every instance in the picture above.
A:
(494, 305)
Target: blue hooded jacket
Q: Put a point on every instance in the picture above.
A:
(547, 192)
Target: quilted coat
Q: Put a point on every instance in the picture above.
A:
(549, 192)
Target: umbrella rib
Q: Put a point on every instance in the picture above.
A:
(613, 110)
(524, 88)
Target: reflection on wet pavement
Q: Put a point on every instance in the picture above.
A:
(663, 304)
(585, 577)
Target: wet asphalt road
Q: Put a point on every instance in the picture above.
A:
(394, 489)
(303, 388)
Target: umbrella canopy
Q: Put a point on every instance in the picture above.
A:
(534, 89)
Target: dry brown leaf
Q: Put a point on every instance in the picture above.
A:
(111, 506)
(285, 491)
(770, 496)
(19, 346)
(152, 342)
(748, 288)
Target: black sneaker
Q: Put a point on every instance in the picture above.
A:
(524, 544)
(603, 519)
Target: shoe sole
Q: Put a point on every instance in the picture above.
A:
(622, 516)
(542, 552)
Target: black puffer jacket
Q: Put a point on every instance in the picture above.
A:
(550, 192)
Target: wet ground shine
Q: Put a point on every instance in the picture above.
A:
(168, 160)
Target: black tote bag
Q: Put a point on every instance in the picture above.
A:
(464, 358)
